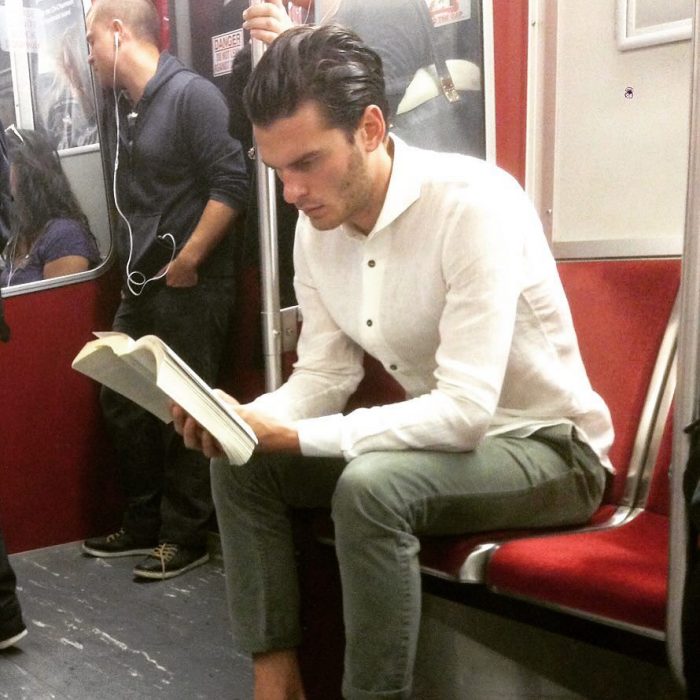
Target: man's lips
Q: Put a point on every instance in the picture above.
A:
(311, 210)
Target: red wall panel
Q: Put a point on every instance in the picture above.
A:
(510, 21)
(56, 478)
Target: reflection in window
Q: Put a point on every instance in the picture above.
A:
(50, 234)
(51, 33)
(46, 88)
(434, 62)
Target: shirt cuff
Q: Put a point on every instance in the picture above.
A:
(321, 437)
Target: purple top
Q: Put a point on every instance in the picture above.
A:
(61, 238)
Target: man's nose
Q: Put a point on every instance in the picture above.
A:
(294, 189)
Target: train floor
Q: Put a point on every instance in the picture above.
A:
(96, 633)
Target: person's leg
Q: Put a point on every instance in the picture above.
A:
(277, 676)
(383, 500)
(136, 437)
(194, 322)
(12, 627)
(253, 505)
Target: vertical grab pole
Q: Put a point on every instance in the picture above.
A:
(269, 262)
(688, 392)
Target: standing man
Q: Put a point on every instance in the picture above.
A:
(437, 265)
(179, 182)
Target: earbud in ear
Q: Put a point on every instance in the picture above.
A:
(116, 40)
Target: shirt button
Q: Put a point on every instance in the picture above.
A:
(393, 367)
(369, 321)
(371, 263)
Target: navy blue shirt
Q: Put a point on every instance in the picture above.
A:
(61, 238)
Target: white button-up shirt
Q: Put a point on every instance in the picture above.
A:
(456, 293)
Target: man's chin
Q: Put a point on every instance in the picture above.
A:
(323, 222)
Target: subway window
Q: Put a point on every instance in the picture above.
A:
(54, 225)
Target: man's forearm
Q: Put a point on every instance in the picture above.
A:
(213, 225)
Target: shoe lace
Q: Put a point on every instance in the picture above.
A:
(165, 552)
(116, 535)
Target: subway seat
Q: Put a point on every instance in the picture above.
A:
(614, 568)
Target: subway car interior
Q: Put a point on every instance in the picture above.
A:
(593, 107)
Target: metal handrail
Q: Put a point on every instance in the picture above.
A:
(269, 258)
(687, 399)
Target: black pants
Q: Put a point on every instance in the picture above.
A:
(168, 496)
(10, 613)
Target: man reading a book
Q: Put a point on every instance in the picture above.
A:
(179, 182)
(435, 264)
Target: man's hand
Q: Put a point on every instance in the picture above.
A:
(193, 435)
(273, 436)
(267, 20)
(182, 271)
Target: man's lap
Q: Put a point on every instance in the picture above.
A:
(549, 479)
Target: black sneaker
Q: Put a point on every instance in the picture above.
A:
(117, 544)
(10, 636)
(168, 560)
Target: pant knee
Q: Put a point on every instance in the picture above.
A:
(367, 496)
(224, 477)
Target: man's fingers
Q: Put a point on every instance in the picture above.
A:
(266, 21)
(210, 446)
(179, 416)
(194, 436)
(191, 434)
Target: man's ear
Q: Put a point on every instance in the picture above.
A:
(372, 127)
(117, 27)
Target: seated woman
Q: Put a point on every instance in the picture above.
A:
(50, 234)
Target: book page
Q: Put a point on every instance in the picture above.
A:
(128, 378)
(152, 375)
(235, 437)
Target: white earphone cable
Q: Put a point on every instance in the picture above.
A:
(136, 281)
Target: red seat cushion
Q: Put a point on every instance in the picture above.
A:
(447, 554)
(619, 574)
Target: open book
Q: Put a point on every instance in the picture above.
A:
(151, 374)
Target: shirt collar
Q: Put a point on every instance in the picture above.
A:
(404, 185)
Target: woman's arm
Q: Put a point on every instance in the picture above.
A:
(67, 265)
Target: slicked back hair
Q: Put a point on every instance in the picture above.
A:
(328, 65)
(140, 16)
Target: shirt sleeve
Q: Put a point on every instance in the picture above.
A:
(217, 155)
(62, 238)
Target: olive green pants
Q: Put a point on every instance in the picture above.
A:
(380, 502)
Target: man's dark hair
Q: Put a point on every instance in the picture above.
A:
(42, 190)
(328, 65)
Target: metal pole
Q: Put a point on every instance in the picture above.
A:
(687, 404)
(269, 261)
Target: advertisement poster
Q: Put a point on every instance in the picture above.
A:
(448, 11)
(52, 32)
